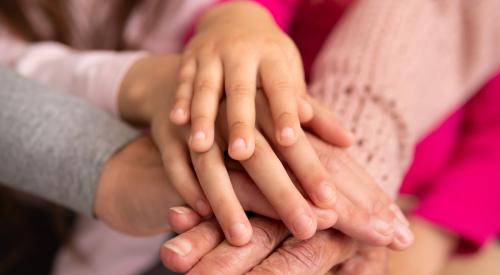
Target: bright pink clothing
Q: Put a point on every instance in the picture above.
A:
(456, 170)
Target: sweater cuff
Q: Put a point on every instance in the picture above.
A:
(106, 77)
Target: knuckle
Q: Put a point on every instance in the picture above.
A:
(263, 237)
(283, 85)
(285, 116)
(301, 255)
(220, 265)
(239, 89)
(238, 125)
(379, 205)
(205, 85)
(266, 269)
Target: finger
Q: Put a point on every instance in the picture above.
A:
(181, 219)
(182, 252)
(305, 165)
(207, 93)
(360, 225)
(240, 84)
(181, 110)
(368, 261)
(214, 180)
(280, 91)
(178, 170)
(306, 112)
(326, 126)
(314, 256)
(250, 197)
(373, 199)
(227, 259)
(268, 173)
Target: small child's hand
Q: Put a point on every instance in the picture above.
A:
(238, 47)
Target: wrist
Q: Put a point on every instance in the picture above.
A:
(145, 87)
(236, 12)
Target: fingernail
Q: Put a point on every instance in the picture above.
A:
(180, 210)
(404, 234)
(179, 246)
(202, 208)
(199, 135)
(399, 214)
(287, 133)
(239, 144)
(237, 230)
(325, 193)
(381, 226)
(302, 223)
(178, 113)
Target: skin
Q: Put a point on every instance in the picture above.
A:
(134, 197)
(143, 99)
(368, 260)
(236, 48)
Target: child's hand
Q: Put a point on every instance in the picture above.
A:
(238, 47)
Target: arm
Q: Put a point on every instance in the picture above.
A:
(400, 66)
(53, 145)
(93, 75)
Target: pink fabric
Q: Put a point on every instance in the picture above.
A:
(456, 170)
(97, 75)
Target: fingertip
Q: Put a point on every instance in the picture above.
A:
(287, 136)
(179, 116)
(240, 149)
(203, 208)
(182, 219)
(403, 237)
(303, 226)
(174, 254)
(239, 233)
(306, 111)
(324, 195)
(200, 141)
(326, 218)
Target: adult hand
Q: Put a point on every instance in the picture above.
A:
(134, 195)
(269, 252)
(353, 182)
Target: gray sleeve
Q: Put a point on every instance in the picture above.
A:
(54, 145)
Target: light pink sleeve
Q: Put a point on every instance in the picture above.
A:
(93, 75)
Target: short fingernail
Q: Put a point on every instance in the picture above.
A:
(325, 193)
(199, 136)
(287, 133)
(237, 230)
(302, 223)
(380, 226)
(399, 214)
(202, 208)
(178, 113)
(180, 247)
(180, 210)
(239, 144)
(403, 234)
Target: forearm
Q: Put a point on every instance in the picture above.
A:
(392, 69)
(93, 75)
(53, 145)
